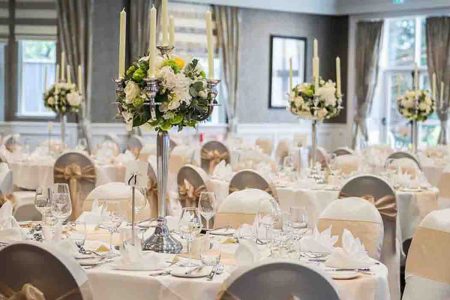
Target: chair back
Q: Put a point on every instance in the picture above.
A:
(428, 262)
(191, 182)
(347, 163)
(265, 144)
(279, 280)
(382, 195)
(403, 154)
(115, 139)
(78, 171)
(11, 142)
(343, 151)
(6, 180)
(212, 153)
(360, 217)
(135, 144)
(116, 196)
(282, 151)
(180, 156)
(54, 274)
(241, 207)
(321, 156)
(250, 179)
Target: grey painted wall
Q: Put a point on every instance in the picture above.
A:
(105, 53)
(256, 28)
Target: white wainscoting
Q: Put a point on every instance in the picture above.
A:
(330, 136)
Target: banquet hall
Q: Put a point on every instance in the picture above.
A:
(223, 149)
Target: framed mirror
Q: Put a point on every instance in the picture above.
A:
(282, 48)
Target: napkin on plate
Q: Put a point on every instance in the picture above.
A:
(222, 171)
(95, 216)
(133, 256)
(123, 158)
(247, 253)
(351, 255)
(322, 242)
(66, 246)
(9, 228)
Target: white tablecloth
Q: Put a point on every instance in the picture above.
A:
(31, 175)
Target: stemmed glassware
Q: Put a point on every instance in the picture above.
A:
(298, 218)
(60, 202)
(111, 222)
(42, 201)
(207, 206)
(190, 225)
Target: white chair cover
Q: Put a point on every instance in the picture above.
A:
(53, 273)
(135, 144)
(180, 155)
(249, 179)
(241, 207)
(191, 182)
(347, 163)
(282, 151)
(12, 142)
(383, 196)
(428, 263)
(407, 155)
(265, 144)
(117, 192)
(78, 171)
(212, 153)
(360, 217)
(270, 280)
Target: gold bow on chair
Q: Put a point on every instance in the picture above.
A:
(73, 174)
(152, 196)
(28, 292)
(386, 205)
(214, 157)
(189, 194)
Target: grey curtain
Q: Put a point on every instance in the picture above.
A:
(227, 23)
(368, 45)
(438, 61)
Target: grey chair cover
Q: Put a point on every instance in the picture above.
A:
(403, 154)
(212, 153)
(135, 144)
(78, 171)
(56, 275)
(191, 183)
(11, 142)
(280, 280)
(250, 179)
(321, 156)
(362, 186)
(343, 151)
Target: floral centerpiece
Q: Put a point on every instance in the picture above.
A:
(303, 103)
(416, 105)
(63, 98)
(182, 96)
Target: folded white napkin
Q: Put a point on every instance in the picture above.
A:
(9, 228)
(223, 171)
(124, 158)
(134, 256)
(247, 253)
(351, 255)
(322, 242)
(95, 216)
(66, 246)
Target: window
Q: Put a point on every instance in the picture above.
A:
(36, 72)
(404, 46)
(190, 41)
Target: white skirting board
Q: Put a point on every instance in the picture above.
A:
(330, 136)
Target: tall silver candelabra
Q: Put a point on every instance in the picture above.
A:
(162, 240)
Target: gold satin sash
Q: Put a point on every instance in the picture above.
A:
(27, 292)
(213, 157)
(428, 255)
(368, 233)
(387, 205)
(75, 175)
(152, 196)
(235, 220)
(189, 194)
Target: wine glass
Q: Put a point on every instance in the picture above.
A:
(112, 221)
(60, 202)
(298, 218)
(207, 206)
(190, 225)
(42, 201)
(82, 144)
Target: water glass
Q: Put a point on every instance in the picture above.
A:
(207, 206)
(79, 235)
(298, 218)
(211, 257)
(60, 202)
(190, 225)
(42, 201)
(111, 223)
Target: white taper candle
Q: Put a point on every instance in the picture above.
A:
(164, 29)
(80, 79)
(63, 65)
(122, 42)
(209, 40)
(338, 77)
(171, 32)
(152, 43)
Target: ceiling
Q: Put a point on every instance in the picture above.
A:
(332, 7)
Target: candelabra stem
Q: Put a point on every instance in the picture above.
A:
(414, 136)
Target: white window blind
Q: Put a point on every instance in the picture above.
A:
(4, 19)
(35, 18)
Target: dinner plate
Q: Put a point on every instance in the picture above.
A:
(181, 272)
(343, 275)
(223, 231)
(89, 262)
(136, 267)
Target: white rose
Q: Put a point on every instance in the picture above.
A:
(74, 99)
(131, 90)
(428, 100)
(203, 94)
(128, 118)
(51, 101)
(423, 106)
(298, 101)
(322, 113)
(408, 102)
